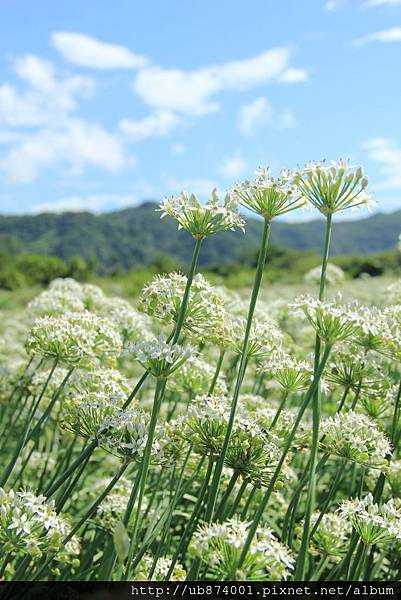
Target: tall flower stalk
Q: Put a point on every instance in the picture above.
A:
(269, 198)
(330, 190)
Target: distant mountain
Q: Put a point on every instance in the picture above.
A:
(136, 236)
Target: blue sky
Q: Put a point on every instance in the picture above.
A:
(104, 104)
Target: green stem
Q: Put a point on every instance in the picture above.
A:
(68, 491)
(238, 499)
(192, 521)
(36, 429)
(214, 488)
(279, 410)
(217, 372)
(248, 503)
(269, 490)
(135, 390)
(220, 511)
(86, 516)
(379, 487)
(59, 482)
(329, 498)
(184, 303)
(173, 504)
(343, 399)
(24, 436)
(144, 469)
(319, 570)
(316, 415)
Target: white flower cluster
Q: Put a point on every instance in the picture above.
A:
(393, 345)
(333, 188)
(264, 337)
(334, 275)
(332, 321)
(219, 545)
(107, 381)
(331, 535)
(162, 298)
(84, 412)
(91, 397)
(375, 524)
(131, 325)
(30, 526)
(161, 358)
(268, 196)
(251, 453)
(293, 375)
(75, 339)
(393, 292)
(373, 331)
(160, 569)
(203, 220)
(124, 433)
(69, 296)
(356, 438)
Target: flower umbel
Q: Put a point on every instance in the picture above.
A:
(203, 220)
(161, 358)
(375, 525)
(219, 546)
(333, 188)
(267, 196)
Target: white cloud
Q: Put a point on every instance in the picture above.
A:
(286, 119)
(259, 113)
(233, 166)
(253, 115)
(372, 3)
(178, 148)
(48, 97)
(385, 36)
(9, 137)
(93, 203)
(387, 154)
(332, 5)
(86, 51)
(159, 124)
(192, 92)
(76, 144)
(293, 76)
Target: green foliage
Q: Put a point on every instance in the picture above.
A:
(134, 237)
(31, 270)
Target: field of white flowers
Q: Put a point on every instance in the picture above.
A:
(201, 433)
